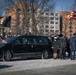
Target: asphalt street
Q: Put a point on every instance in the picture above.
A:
(59, 70)
(39, 67)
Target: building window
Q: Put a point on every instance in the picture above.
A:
(56, 14)
(42, 30)
(51, 26)
(52, 31)
(46, 13)
(51, 18)
(56, 27)
(46, 26)
(47, 22)
(56, 31)
(42, 13)
(42, 22)
(56, 22)
(52, 14)
(45, 18)
(41, 18)
(42, 26)
(51, 22)
(46, 30)
(56, 18)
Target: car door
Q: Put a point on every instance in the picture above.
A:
(31, 45)
(17, 46)
(41, 45)
(31, 49)
(26, 46)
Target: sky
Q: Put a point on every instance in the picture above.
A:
(61, 5)
(64, 5)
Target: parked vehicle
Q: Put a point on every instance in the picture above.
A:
(26, 45)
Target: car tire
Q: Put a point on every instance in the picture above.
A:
(45, 55)
(7, 55)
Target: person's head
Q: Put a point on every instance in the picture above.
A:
(63, 36)
(55, 38)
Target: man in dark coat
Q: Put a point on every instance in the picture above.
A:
(62, 47)
(55, 46)
(68, 46)
(73, 46)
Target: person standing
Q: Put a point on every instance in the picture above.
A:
(68, 46)
(55, 47)
(62, 47)
(73, 46)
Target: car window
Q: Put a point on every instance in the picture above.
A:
(19, 41)
(47, 39)
(40, 41)
(31, 41)
(24, 41)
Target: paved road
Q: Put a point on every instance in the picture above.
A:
(38, 67)
(62, 70)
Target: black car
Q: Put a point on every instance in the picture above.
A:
(25, 45)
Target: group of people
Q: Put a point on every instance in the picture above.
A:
(63, 47)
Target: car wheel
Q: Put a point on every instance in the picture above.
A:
(7, 55)
(45, 54)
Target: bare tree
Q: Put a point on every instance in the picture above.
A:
(33, 6)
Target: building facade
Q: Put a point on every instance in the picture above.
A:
(49, 23)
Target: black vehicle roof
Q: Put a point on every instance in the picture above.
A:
(30, 36)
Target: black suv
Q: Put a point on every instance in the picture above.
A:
(25, 45)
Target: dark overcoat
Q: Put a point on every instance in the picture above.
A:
(55, 46)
